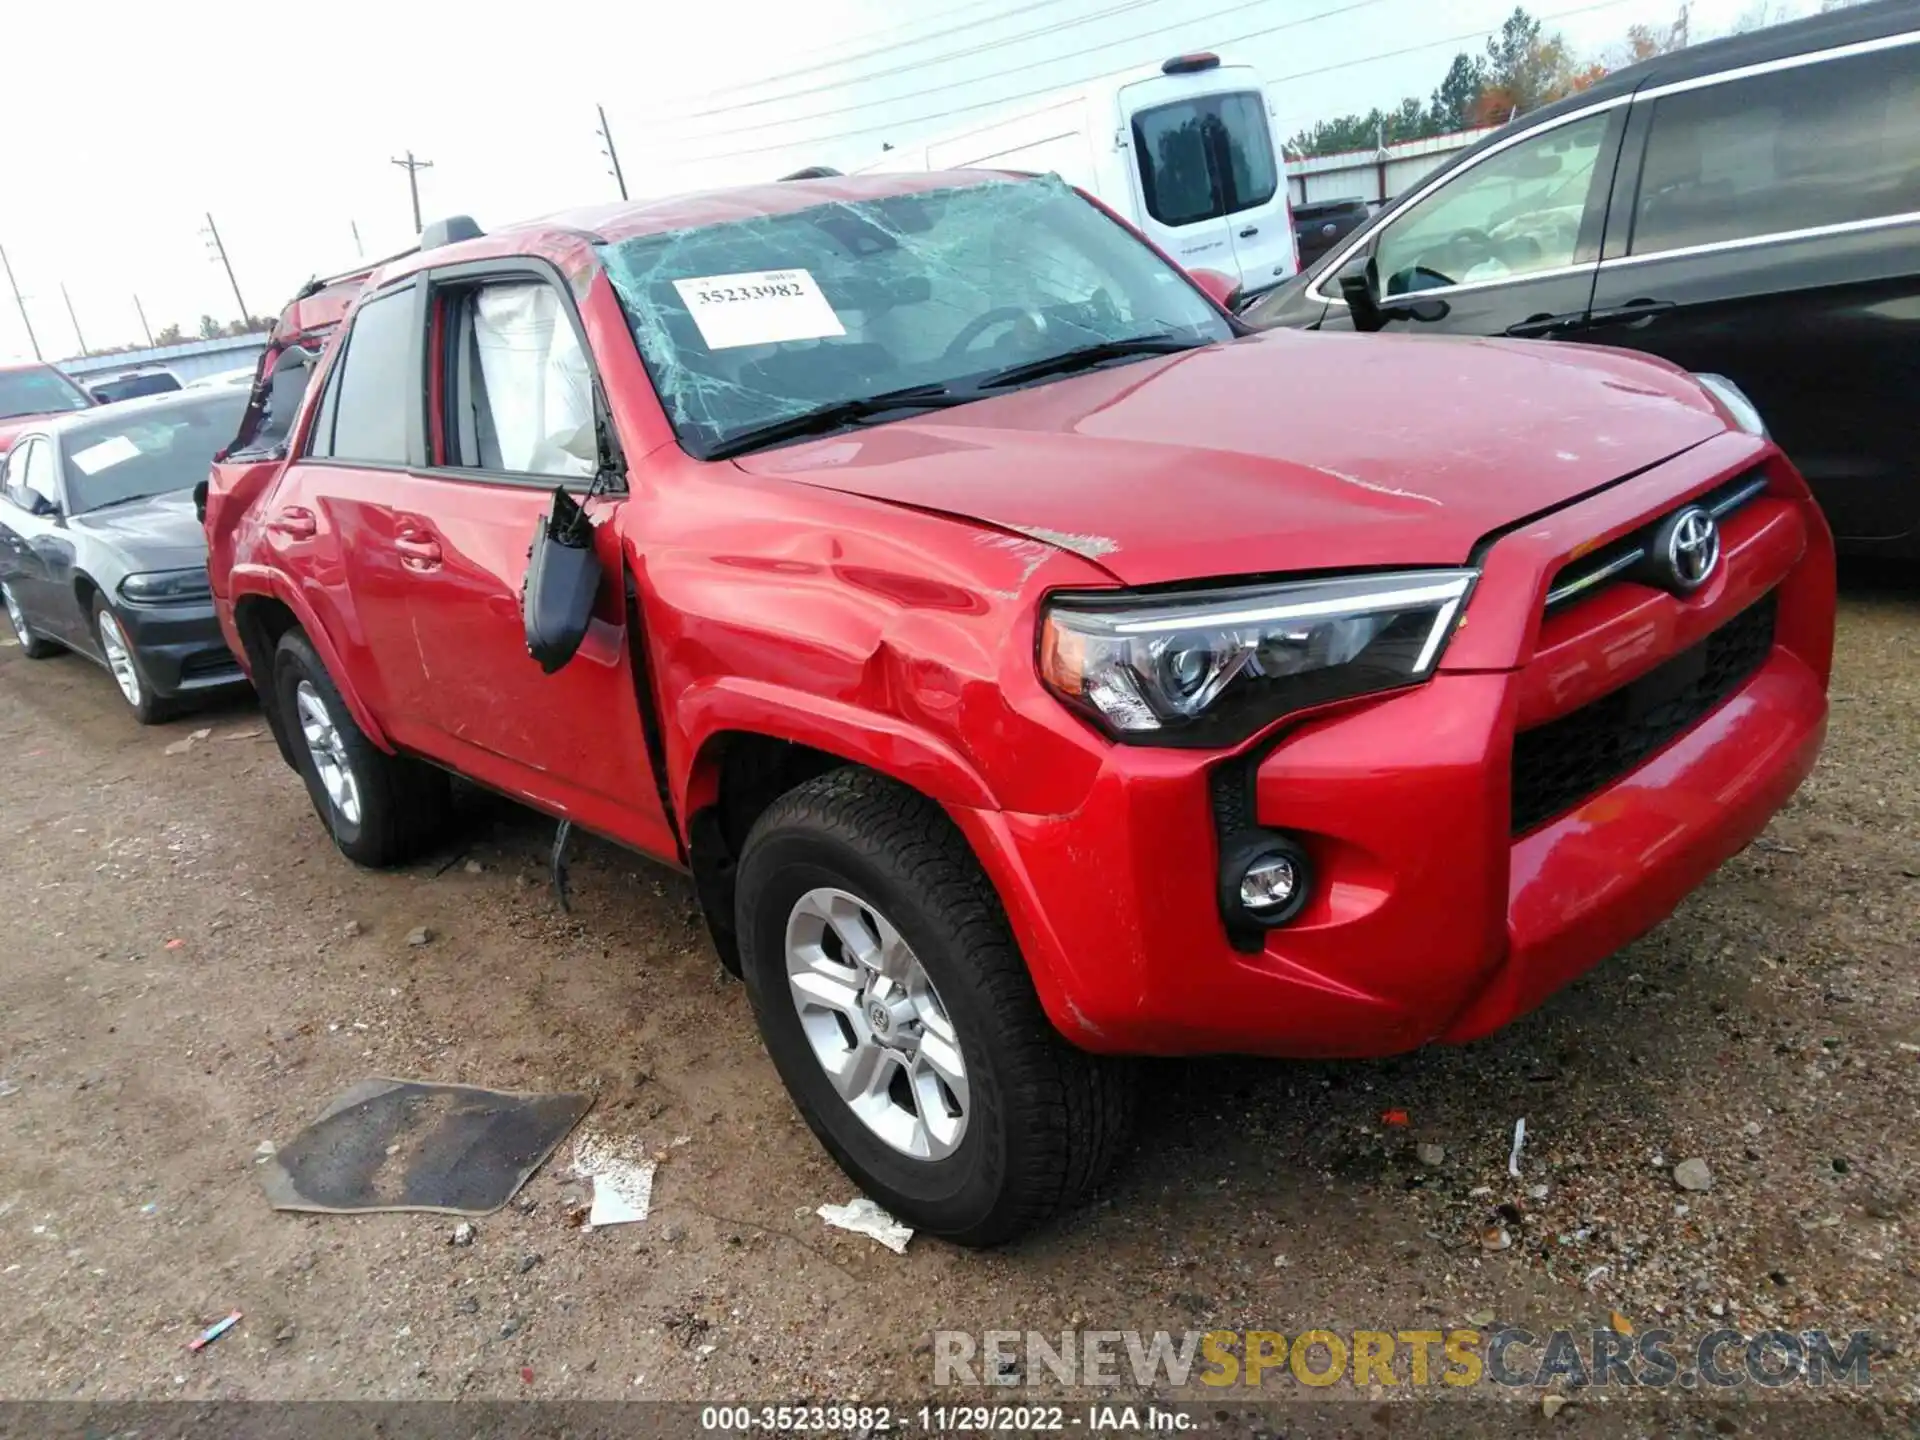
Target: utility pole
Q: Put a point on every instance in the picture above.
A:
(32, 339)
(142, 311)
(612, 154)
(73, 317)
(413, 168)
(358, 248)
(213, 243)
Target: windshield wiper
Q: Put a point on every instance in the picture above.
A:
(1085, 357)
(842, 413)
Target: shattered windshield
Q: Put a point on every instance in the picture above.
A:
(753, 322)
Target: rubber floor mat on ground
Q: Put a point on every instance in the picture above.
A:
(407, 1145)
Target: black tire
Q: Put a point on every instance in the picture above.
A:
(148, 708)
(402, 803)
(32, 645)
(1044, 1120)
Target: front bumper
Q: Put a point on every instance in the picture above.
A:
(1431, 919)
(181, 647)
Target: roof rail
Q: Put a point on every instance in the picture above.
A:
(450, 231)
(366, 267)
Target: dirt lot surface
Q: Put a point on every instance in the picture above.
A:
(1770, 1029)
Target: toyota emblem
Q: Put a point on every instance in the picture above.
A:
(1692, 549)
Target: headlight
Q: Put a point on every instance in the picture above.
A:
(1735, 402)
(1211, 667)
(166, 587)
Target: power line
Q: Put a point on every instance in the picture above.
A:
(1004, 100)
(845, 81)
(840, 60)
(1001, 101)
(1015, 70)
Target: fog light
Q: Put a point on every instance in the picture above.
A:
(1265, 880)
(1268, 883)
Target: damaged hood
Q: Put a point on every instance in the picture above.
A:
(1283, 451)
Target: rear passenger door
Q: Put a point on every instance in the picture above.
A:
(1768, 228)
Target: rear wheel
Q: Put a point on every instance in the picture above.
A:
(901, 1017)
(124, 664)
(31, 645)
(381, 809)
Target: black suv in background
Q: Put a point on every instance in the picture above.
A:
(1750, 206)
(1318, 225)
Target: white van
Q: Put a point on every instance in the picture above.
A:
(1186, 152)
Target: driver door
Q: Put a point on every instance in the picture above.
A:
(1506, 245)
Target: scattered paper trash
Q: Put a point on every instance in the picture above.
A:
(1519, 1140)
(622, 1181)
(213, 1332)
(180, 747)
(863, 1217)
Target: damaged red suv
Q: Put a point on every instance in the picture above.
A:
(1031, 669)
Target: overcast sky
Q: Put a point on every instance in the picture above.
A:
(115, 141)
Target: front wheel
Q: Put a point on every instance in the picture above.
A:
(901, 1017)
(381, 809)
(124, 663)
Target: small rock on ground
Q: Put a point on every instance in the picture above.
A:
(1693, 1175)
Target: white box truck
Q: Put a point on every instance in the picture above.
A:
(1185, 151)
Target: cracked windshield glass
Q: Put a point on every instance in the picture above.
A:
(753, 323)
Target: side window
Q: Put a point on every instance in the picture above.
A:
(1817, 144)
(38, 473)
(1508, 216)
(519, 392)
(364, 413)
(15, 484)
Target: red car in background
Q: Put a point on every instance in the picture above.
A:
(1031, 668)
(33, 392)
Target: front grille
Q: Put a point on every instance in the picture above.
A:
(1586, 575)
(1561, 763)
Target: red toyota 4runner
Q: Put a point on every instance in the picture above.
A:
(1031, 669)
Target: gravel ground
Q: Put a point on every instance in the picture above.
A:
(191, 970)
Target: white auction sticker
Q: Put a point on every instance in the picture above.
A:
(758, 307)
(96, 458)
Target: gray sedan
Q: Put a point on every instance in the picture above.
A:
(100, 552)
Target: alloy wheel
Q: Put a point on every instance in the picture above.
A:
(113, 641)
(22, 631)
(875, 1024)
(329, 751)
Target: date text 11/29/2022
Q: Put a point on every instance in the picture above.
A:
(940, 1419)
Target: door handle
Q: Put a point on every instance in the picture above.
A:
(417, 551)
(1536, 326)
(1635, 313)
(1249, 232)
(295, 522)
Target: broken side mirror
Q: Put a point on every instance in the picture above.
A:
(563, 577)
(1222, 289)
(1359, 282)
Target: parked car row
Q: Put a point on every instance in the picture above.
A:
(1749, 206)
(1017, 649)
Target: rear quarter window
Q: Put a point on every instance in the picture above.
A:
(1826, 143)
(364, 413)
